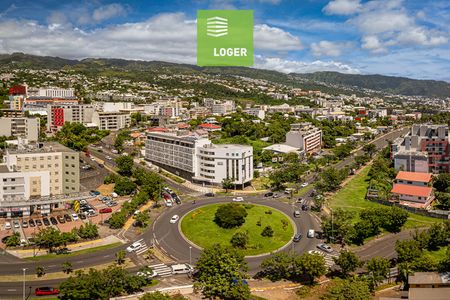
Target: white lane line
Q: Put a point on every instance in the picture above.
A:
(11, 290)
(106, 255)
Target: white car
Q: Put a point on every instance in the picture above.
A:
(304, 184)
(109, 157)
(174, 219)
(74, 217)
(325, 247)
(133, 247)
(169, 203)
(7, 225)
(238, 199)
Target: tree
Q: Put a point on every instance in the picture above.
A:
(230, 215)
(394, 218)
(120, 257)
(40, 271)
(125, 165)
(370, 149)
(438, 236)
(442, 182)
(378, 268)
(13, 240)
(88, 231)
(227, 184)
(117, 219)
(348, 262)
(142, 219)
(157, 295)
(349, 289)
(220, 274)
(310, 265)
(267, 231)
(124, 186)
(338, 226)
(277, 266)
(331, 178)
(407, 250)
(49, 238)
(67, 267)
(239, 240)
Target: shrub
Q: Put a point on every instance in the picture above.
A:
(258, 223)
(230, 215)
(239, 240)
(268, 212)
(267, 231)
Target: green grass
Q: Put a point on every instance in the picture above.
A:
(74, 253)
(199, 227)
(352, 197)
(437, 255)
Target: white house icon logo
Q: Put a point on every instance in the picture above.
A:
(216, 26)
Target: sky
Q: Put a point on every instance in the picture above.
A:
(409, 38)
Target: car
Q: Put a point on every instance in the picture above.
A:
(16, 224)
(275, 196)
(32, 223)
(74, 217)
(94, 193)
(62, 250)
(90, 213)
(238, 199)
(311, 233)
(174, 219)
(181, 269)
(61, 220)
(114, 151)
(325, 248)
(316, 252)
(169, 203)
(7, 225)
(305, 207)
(114, 195)
(24, 224)
(83, 202)
(45, 291)
(82, 216)
(304, 184)
(297, 238)
(299, 200)
(105, 210)
(134, 247)
(268, 194)
(147, 274)
(209, 194)
(93, 158)
(111, 203)
(67, 218)
(38, 222)
(296, 213)
(23, 242)
(46, 221)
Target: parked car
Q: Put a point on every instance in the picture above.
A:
(45, 291)
(238, 199)
(169, 203)
(67, 218)
(16, 224)
(297, 237)
(94, 193)
(7, 225)
(114, 195)
(82, 216)
(268, 194)
(105, 210)
(325, 248)
(24, 224)
(134, 247)
(174, 219)
(46, 221)
(38, 222)
(304, 184)
(32, 223)
(275, 196)
(111, 203)
(108, 157)
(74, 217)
(209, 194)
(311, 233)
(60, 220)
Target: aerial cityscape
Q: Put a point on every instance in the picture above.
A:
(228, 149)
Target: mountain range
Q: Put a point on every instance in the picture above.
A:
(324, 81)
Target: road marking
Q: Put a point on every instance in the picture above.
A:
(80, 261)
(11, 290)
(52, 266)
(106, 255)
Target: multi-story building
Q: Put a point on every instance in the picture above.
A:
(40, 103)
(57, 115)
(424, 149)
(197, 159)
(27, 128)
(32, 174)
(256, 112)
(16, 102)
(111, 120)
(304, 136)
(52, 92)
(413, 189)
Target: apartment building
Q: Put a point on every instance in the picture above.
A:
(111, 120)
(16, 102)
(26, 128)
(304, 136)
(52, 92)
(219, 107)
(256, 112)
(57, 115)
(196, 159)
(424, 149)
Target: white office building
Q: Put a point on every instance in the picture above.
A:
(111, 120)
(26, 128)
(52, 92)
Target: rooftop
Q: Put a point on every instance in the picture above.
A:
(281, 148)
(429, 293)
(47, 147)
(413, 176)
(412, 190)
(429, 278)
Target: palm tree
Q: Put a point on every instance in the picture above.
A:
(67, 267)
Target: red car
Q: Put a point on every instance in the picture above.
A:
(105, 210)
(43, 291)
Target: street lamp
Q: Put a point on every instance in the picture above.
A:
(190, 255)
(24, 270)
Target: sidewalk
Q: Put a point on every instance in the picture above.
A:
(73, 247)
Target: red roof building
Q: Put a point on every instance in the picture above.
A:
(413, 178)
(209, 127)
(413, 193)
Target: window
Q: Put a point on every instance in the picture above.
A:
(41, 158)
(4, 179)
(67, 172)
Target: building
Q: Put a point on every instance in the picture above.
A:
(424, 149)
(196, 159)
(209, 127)
(18, 90)
(26, 128)
(304, 136)
(57, 115)
(12, 113)
(111, 120)
(32, 174)
(51, 92)
(413, 189)
(16, 102)
(256, 112)
(40, 103)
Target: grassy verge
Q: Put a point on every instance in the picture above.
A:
(199, 227)
(74, 253)
(172, 176)
(352, 197)
(437, 255)
(261, 183)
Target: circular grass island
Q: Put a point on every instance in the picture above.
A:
(199, 227)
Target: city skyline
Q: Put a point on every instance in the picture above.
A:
(398, 38)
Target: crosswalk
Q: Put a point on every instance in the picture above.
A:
(329, 262)
(144, 247)
(162, 270)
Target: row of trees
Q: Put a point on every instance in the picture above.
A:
(339, 227)
(77, 137)
(52, 238)
(442, 186)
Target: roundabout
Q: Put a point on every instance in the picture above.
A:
(198, 227)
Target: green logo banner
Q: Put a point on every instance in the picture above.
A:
(225, 38)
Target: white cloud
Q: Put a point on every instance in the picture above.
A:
(109, 11)
(327, 48)
(372, 44)
(293, 66)
(272, 38)
(342, 7)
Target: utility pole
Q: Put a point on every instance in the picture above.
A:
(24, 270)
(332, 226)
(190, 255)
